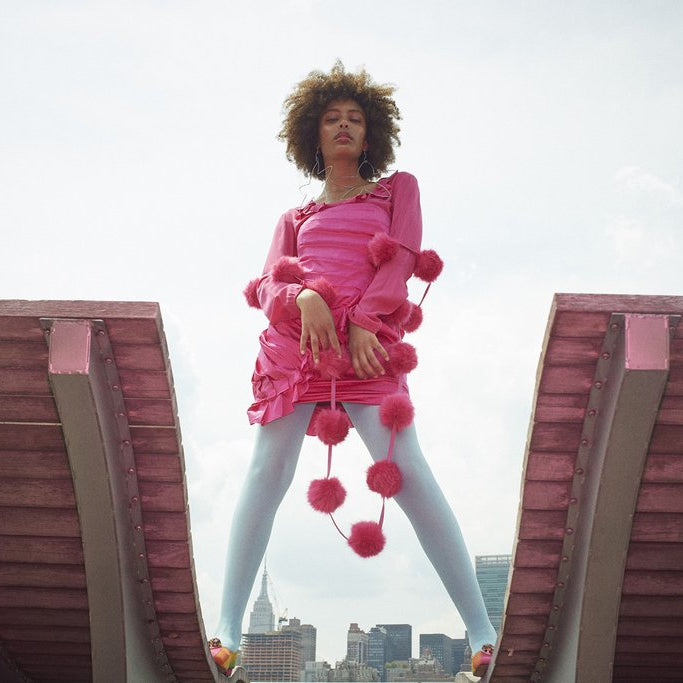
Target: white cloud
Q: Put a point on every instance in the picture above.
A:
(636, 179)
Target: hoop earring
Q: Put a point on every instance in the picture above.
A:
(317, 169)
(363, 161)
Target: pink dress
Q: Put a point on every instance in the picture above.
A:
(331, 241)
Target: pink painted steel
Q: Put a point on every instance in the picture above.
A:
(647, 342)
(70, 347)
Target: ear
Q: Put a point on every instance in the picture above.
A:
(365, 146)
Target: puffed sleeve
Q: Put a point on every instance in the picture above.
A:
(388, 289)
(277, 298)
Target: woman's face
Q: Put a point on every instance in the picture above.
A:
(341, 131)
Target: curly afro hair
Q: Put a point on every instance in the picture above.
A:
(304, 107)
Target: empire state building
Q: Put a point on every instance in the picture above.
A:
(262, 618)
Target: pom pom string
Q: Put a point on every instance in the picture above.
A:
(333, 402)
(392, 441)
(336, 526)
(381, 515)
(425, 294)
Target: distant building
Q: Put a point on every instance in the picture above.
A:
(492, 575)
(352, 671)
(315, 672)
(377, 647)
(420, 670)
(399, 641)
(308, 642)
(440, 647)
(274, 656)
(308, 637)
(262, 618)
(459, 649)
(356, 645)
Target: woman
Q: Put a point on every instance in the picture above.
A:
(334, 291)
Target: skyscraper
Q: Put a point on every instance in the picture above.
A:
(399, 641)
(308, 638)
(274, 656)
(262, 618)
(356, 645)
(492, 575)
(459, 647)
(377, 646)
(441, 648)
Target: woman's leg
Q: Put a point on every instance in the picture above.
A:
(272, 467)
(428, 511)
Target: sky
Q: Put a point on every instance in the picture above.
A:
(139, 161)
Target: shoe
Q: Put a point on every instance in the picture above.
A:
(225, 659)
(481, 660)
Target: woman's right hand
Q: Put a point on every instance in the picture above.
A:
(317, 324)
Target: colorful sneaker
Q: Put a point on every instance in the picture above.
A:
(225, 659)
(481, 660)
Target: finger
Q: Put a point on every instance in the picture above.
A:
(366, 365)
(375, 363)
(334, 341)
(302, 341)
(315, 349)
(355, 362)
(382, 351)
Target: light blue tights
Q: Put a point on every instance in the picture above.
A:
(271, 471)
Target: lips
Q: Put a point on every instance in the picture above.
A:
(342, 136)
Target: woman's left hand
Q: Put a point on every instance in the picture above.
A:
(363, 346)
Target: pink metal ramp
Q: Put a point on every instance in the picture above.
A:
(596, 587)
(97, 579)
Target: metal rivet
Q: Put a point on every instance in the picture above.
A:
(134, 499)
(556, 608)
(598, 385)
(605, 355)
(570, 531)
(138, 527)
(572, 501)
(560, 584)
(592, 412)
(565, 558)
(131, 470)
(584, 442)
(141, 556)
(126, 442)
(579, 470)
(100, 333)
(108, 361)
(615, 326)
(115, 387)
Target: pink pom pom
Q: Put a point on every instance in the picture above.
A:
(323, 287)
(396, 411)
(287, 269)
(428, 266)
(250, 293)
(332, 426)
(402, 358)
(414, 319)
(385, 478)
(366, 539)
(400, 314)
(326, 495)
(382, 248)
(331, 365)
